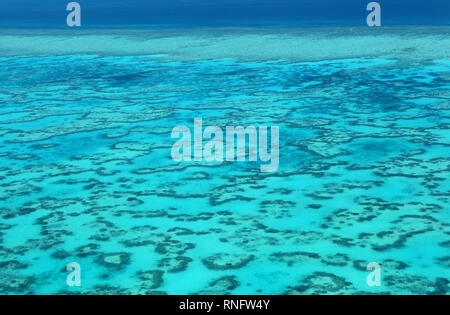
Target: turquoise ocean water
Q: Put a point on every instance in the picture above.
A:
(86, 173)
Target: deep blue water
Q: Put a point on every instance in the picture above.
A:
(174, 13)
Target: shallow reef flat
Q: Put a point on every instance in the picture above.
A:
(245, 44)
(86, 173)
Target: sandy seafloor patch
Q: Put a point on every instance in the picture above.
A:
(86, 173)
